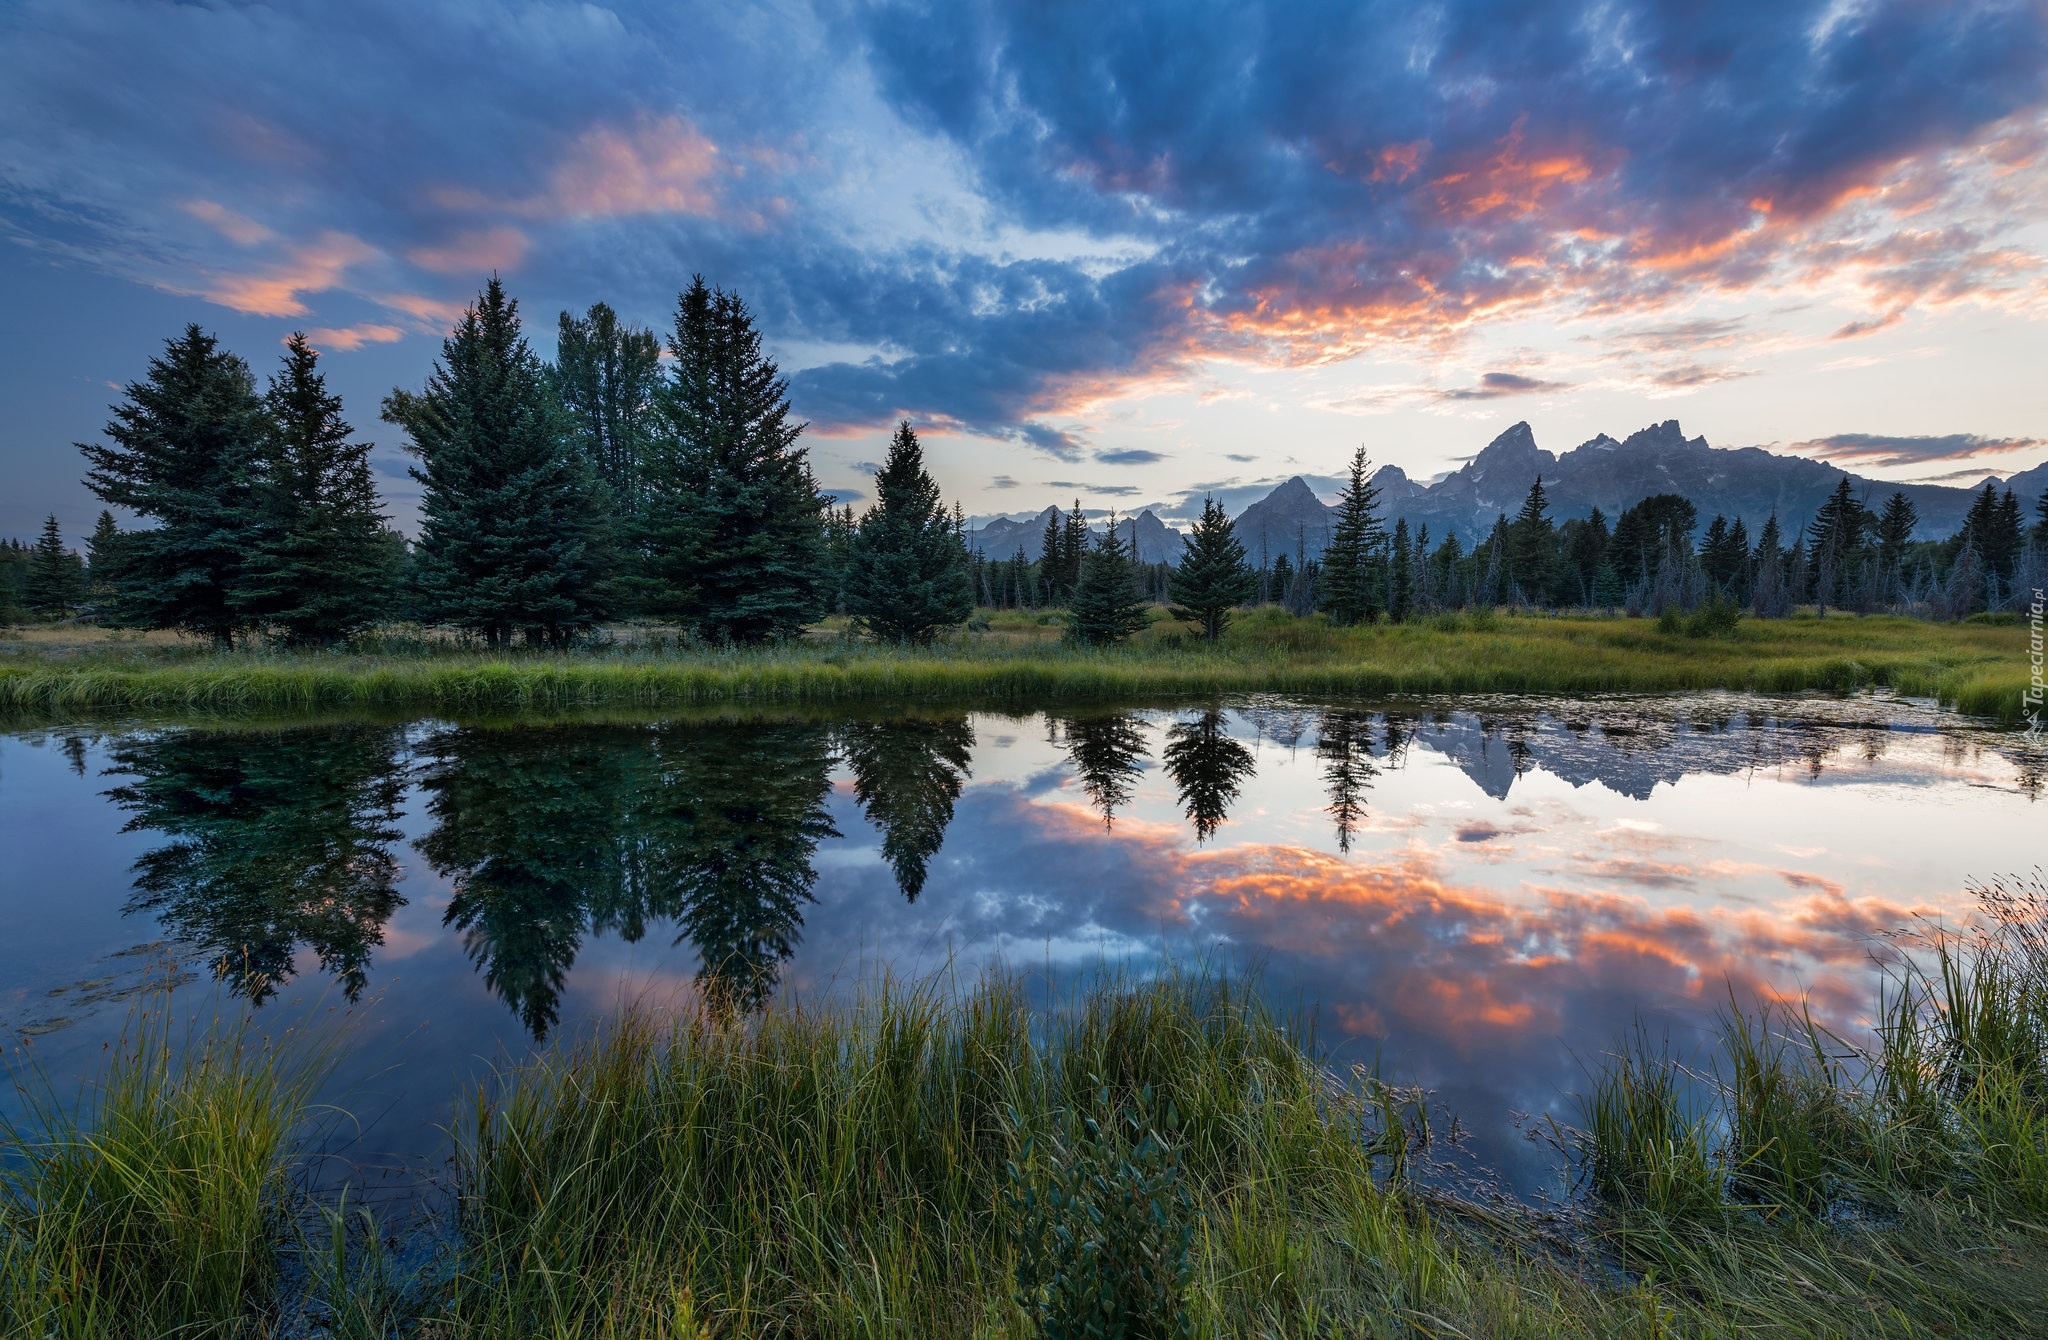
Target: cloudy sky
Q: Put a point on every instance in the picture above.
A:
(1124, 251)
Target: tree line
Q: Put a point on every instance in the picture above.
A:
(614, 484)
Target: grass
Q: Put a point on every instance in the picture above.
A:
(884, 1168)
(153, 1207)
(1978, 668)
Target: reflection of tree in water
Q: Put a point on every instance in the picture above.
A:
(907, 775)
(274, 841)
(727, 840)
(1344, 744)
(1106, 752)
(1209, 767)
(553, 834)
(529, 827)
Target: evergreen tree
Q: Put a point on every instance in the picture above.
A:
(1401, 575)
(1584, 545)
(13, 578)
(1208, 767)
(1106, 608)
(1052, 563)
(1283, 580)
(907, 566)
(1351, 581)
(509, 528)
(1213, 577)
(185, 452)
(907, 776)
(1073, 550)
(1836, 544)
(318, 567)
(1723, 553)
(1895, 527)
(1531, 542)
(103, 565)
(606, 374)
(2007, 537)
(730, 533)
(56, 580)
(1344, 744)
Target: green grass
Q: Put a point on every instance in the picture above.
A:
(873, 1169)
(1976, 667)
(156, 1205)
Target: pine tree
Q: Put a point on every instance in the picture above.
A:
(1283, 580)
(1351, 566)
(55, 577)
(1052, 564)
(1895, 526)
(907, 566)
(1401, 575)
(1107, 753)
(185, 453)
(1073, 550)
(1531, 543)
(317, 569)
(606, 373)
(13, 577)
(1344, 744)
(1213, 577)
(103, 565)
(730, 536)
(2007, 537)
(509, 528)
(1106, 608)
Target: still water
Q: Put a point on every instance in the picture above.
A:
(1474, 896)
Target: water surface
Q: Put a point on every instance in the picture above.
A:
(1474, 896)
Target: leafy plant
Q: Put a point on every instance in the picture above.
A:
(1104, 1236)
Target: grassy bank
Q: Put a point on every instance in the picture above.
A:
(1165, 1156)
(1977, 668)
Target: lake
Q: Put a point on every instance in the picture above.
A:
(1475, 896)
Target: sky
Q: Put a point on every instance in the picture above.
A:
(1121, 252)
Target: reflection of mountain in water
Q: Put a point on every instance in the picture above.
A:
(1631, 747)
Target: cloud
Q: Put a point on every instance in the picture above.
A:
(1241, 459)
(1002, 482)
(473, 252)
(1494, 385)
(1881, 450)
(1129, 456)
(316, 267)
(354, 337)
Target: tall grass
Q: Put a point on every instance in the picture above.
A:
(1977, 668)
(155, 1205)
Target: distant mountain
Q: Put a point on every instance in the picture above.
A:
(1153, 539)
(1746, 482)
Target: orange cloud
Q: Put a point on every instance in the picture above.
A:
(347, 338)
(234, 227)
(313, 268)
(655, 166)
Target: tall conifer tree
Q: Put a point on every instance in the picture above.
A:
(907, 570)
(731, 533)
(103, 565)
(509, 539)
(607, 372)
(317, 570)
(56, 579)
(1106, 608)
(1351, 582)
(185, 454)
(1213, 577)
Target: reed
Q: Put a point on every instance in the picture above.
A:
(155, 1205)
(1977, 668)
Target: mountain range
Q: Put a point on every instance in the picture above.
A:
(1746, 482)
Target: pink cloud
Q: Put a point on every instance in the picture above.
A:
(473, 252)
(236, 228)
(347, 338)
(316, 267)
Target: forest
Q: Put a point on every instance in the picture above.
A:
(614, 486)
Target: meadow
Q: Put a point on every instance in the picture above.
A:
(1977, 667)
(1149, 1158)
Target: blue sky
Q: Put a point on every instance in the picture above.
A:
(1121, 251)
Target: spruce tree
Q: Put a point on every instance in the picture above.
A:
(13, 577)
(731, 535)
(1351, 581)
(1401, 574)
(1532, 541)
(1895, 527)
(1073, 549)
(2008, 537)
(1283, 580)
(103, 565)
(1052, 560)
(907, 776)
(318, 569)
(607, 373)
(907, 567)
(185, 453)
(509, 529)
(1213, 577)
(55, 581)
(1106, 608)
